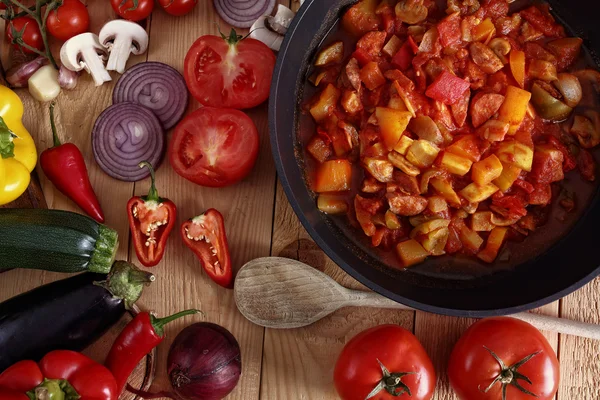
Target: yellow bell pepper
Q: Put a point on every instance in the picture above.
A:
(18, 155)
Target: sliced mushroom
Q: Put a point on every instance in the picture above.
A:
(411, 11)
(270, 30)
(501, 47)
(569, 87)
(84, 51)
(122, 38)
(282, 19)
(587, 129)
(548, 106)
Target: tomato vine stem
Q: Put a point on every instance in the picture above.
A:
(509, 375)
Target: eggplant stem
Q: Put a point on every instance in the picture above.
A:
(148, 395)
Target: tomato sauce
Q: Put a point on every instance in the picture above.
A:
(423, 150)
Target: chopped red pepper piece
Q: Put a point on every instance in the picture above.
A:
(447, 88)
(205, 236)
(542, 22)
(151, 219)
(403, 58)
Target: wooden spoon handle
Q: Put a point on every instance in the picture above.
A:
(560, 325)
(541, 322)
(371, 299)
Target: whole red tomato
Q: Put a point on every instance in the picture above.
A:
(384, 362)
(68, 20)
(229, 72)
(214, 146)
(503, 358)
(178, 7)
(133, 10)
(27, 30)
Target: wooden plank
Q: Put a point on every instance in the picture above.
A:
(579, 366)
(439, 333)
(299, 363)
(247, 208)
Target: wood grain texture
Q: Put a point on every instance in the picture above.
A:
(277, 364)
(247, 208)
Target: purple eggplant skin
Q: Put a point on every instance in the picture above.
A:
(68, 314)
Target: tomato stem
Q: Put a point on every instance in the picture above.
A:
(391, 383)
(509, 375)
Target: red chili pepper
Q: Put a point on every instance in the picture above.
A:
(447, 88)
(64, 165)
(137, 339)
(205, 235)
(60, 374)
(151, 219)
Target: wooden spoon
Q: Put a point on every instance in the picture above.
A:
(277, 292)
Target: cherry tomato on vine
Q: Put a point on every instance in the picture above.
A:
(133, 10)
(26, 29)
(178, 7)
(68, 20)
(503, 359)
(384, 363)
(2, 6)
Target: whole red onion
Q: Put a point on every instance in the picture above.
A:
(204, 362)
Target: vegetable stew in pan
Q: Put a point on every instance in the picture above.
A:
(458, 129)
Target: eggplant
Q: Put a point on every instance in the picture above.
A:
(69, 314)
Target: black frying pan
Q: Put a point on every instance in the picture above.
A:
(567, 265)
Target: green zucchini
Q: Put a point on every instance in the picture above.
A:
(55, 240)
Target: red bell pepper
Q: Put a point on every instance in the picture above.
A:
(64, 165)
(151, 219)
(136, 340)
(61, 374)
(403, 58)
(447, 88)
(205, 236)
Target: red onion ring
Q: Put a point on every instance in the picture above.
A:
(124, 135)
(156, 86)
(243, 14)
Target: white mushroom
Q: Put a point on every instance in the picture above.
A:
(122, 38)
(82, 52)
(282, 19)
(270, 30)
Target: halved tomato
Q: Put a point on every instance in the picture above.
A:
(229, 71)
(214, 146)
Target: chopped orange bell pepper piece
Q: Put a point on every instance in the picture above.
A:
(514, 108)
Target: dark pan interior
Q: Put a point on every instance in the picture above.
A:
(569, 264)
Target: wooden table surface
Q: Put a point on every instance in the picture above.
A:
(277, 364)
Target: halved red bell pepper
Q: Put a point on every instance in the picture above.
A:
(61, 374)
(205, 236)
(447, 88)
(151, 219)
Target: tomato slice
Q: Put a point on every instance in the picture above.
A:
(229, 72)
(205, 236)
(214, 147)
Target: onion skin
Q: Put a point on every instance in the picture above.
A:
(19, 75)
(204, 362)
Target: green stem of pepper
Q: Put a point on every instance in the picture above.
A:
(159, 323)
(152, 193)
(53, 126)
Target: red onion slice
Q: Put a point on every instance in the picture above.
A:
(156, 86)
(243, 14)
(124, 135)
